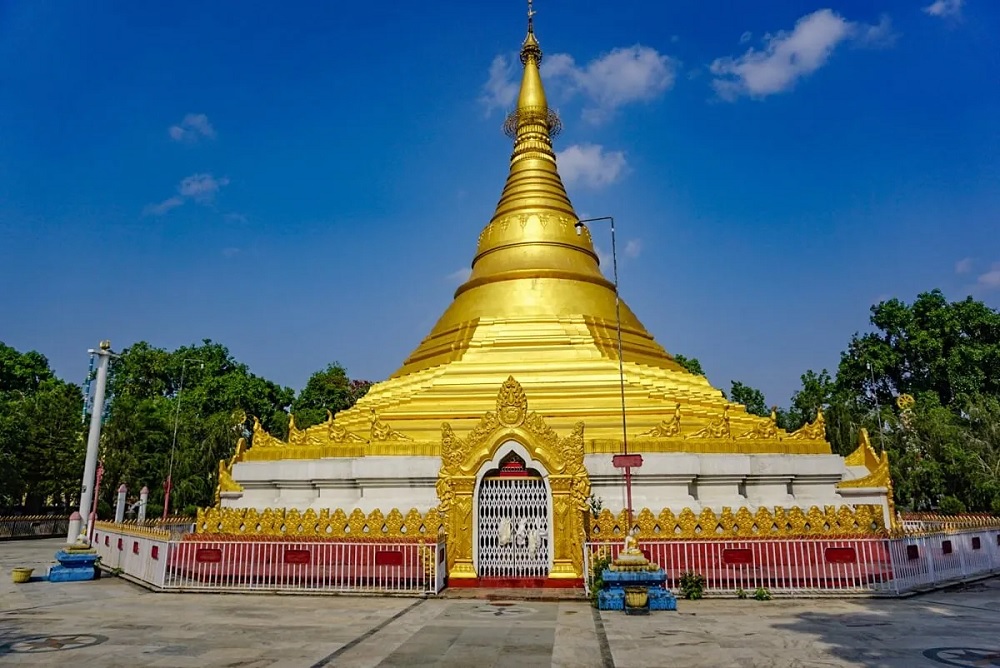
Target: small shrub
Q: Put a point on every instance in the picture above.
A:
(741, 593)
(762, 594)
(692, 585)
(601, 562)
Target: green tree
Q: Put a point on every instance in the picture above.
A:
(947, 348)
(751, 398)
(41, 435)
(202, 391)
(327, 390)
(691, 364)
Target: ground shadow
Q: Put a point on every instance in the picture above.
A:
(956, 627)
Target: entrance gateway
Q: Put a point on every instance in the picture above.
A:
(513, 521)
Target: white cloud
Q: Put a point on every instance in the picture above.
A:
(876, 35)
(192, 128)
(990, 279)
(231, 251)
(789, 56)
(590, 165)
(622, 76)
(234, 218)
(500, 90)
(944, 8)
(963, 266)
(200, 188)
(163, 207)
(459, 276)
(746, 37)
(633, 247)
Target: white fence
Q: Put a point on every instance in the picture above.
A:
(821, 567)
(257, 566)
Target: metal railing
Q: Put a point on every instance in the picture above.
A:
(33, 526)
(262, 566)
(820, 567)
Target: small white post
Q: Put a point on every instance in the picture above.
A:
(143, 498)
(75, 524)
(120, 508)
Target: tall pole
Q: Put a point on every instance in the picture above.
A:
(621, 359)
(104, 356)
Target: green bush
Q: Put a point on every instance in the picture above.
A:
(762, 594)
(950, 505)
(190, 510)
(741, 593)
(692, 585)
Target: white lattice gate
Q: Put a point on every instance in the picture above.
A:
(513, 527)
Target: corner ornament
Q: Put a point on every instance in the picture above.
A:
(226, 483)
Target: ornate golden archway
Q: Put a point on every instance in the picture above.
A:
(461, 460)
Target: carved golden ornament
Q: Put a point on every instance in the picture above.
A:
(814, 431)
(717, 428)
(381, 431)
(764, 430)
(859, 521)
(338, 434)
(262, 439)
(666, 429)
(905, 402)
(330, 439)
(332, 524)
(512, 404)
(225, 482)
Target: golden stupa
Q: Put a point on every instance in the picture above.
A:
(537, 322)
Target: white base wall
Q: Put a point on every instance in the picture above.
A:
(675, 481)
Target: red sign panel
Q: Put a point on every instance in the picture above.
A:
(841, 555)
(297, 556)
(627, 461)
(388, 558)
(208, 555)
(737, 556)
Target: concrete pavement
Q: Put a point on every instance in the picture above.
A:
(114, 623)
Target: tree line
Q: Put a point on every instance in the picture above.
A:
(178, 412)
(168, 413)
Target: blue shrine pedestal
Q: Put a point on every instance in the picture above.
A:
(623, 590)
(74, 566)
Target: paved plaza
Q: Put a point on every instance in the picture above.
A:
(112, 622)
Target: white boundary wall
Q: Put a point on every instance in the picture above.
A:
(286, 566)
(822, 567)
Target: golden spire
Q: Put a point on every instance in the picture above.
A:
(531, 233)
(534, 271)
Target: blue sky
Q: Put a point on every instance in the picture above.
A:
(306, 182)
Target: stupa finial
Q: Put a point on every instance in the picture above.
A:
(531, 102)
